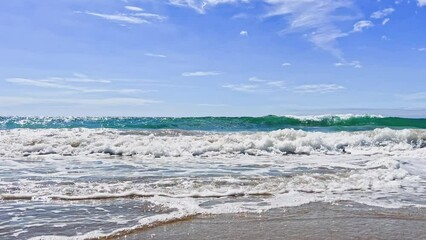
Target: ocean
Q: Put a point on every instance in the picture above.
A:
(87, 177)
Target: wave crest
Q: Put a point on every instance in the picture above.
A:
(77, 142)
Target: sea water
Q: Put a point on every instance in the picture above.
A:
(79, 178)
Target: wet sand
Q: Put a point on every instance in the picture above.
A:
(311, 221)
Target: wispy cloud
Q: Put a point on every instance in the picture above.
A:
(318, 18)
(201, 5)
(150, 16)
(421, 3)
(279, 84)
(77, 77)
(61, 83)
(58, 81)
(201, 74)
(386, 20)
(267, 83)
(120, 18)
(257, 85)
(155, 55)
(136, 17)
(361, 25)
(242, 87)
(382, 13)
(421, 49)
(256, 79)
(134, 8)
(16, 101)
(355, 64)
(270, 86)
(287, 64)
(41, 83)
(318, 88)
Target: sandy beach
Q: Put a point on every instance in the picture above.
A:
(311, 221)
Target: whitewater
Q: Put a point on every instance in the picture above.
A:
(84, 178)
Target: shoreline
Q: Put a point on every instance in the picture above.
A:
(317, 220)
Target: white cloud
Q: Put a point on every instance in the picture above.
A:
(385, 38)
(319, 18)
(382, 13)
(279, 84)
(16, 101)
(155, 55)
(267, 84)
(318, 88)
(256, 79)
(41, 83)
(244, 33)
(121, 91)
(355, 64)
(242, 87)
(78, 77)
(201, 5)
(361, 25)
(421, 49)
(286, 64)
(120, 18)
(386, 20)
(59, 83)
(151, 16)
(131, 18)
(200, 74)
(421, 3)
(133, 8)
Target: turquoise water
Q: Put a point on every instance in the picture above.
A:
(266, 123)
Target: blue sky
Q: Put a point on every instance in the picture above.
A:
(212, 57)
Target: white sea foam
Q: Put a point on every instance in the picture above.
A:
(331, 116)
(341, 177)
(208, 173)
(77, 142)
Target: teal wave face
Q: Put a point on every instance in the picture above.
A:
(267, 123)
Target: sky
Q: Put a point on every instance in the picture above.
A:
(212, 57)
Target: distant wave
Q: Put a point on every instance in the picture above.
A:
(267, 123)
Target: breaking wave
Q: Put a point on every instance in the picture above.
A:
(172, 143)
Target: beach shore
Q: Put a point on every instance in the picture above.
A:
(311, 221)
